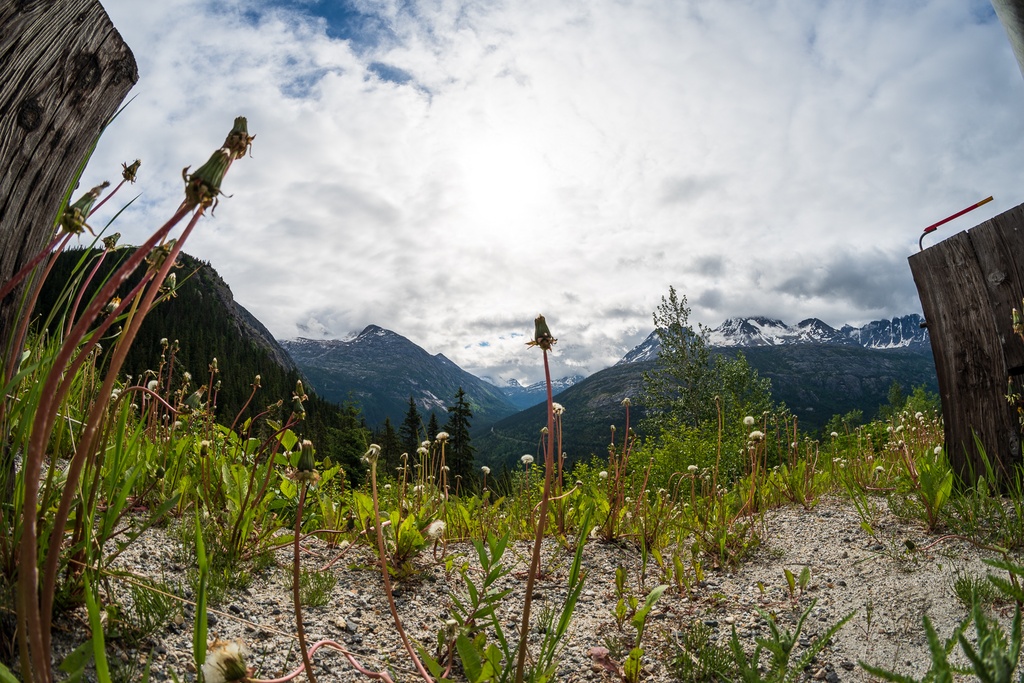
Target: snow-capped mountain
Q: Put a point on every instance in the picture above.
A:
(761, 331)
(524, 397)
(898, 333)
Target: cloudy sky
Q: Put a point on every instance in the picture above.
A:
(448, 169)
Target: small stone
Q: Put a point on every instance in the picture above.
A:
(848, 665)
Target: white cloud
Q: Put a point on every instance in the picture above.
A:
(474, 164)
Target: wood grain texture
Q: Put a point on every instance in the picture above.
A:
(64, 70)
(968, 286)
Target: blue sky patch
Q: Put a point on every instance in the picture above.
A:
(386, 72)
(363, 30)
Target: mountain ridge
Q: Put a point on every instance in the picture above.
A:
(380, 369)
(902, 332)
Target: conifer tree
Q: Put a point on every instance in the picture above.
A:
(411, 431)
(432, 427)
(459, 453)
(390, 446)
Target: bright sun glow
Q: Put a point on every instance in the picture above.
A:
(505, 180)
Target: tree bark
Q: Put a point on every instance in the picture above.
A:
(64, 69)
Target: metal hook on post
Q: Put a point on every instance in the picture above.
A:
(934, 226)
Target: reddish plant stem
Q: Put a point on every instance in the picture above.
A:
(16, 342)
(300, 631)
(53, 394)
(549, 465)
(387, 579)
(81, 292)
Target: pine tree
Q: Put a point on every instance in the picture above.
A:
(432, 427)
(459, 452)
(410, 432)
(390, 446)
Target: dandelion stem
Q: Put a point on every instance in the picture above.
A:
(549, 465)
(296, 597)
(387, 579)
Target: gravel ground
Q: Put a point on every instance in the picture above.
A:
(888, 586)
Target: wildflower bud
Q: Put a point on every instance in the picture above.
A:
(203, 186)
(422, 452)
(557, 408)
(153, 385)
(213, 366)
(204, 447)
(225, 662)
(756, 435)
(434, 530)
(372, 454)
(238, 141)
(626, 402)
(542, 336)
(306, 462)
(579, 483)
(256, 382)
(691, 469)
(163, 342)
(835, 435)
(442, 436)
(748, 421)
(527, 460)
(130, 172)
(73, 220)
(603, 474)
(110, 241)
(195, 399)
(451, 627)
(543, 430)
(486, 470)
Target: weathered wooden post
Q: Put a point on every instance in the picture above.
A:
(969, 285)
(64, 70)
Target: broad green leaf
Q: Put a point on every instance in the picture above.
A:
(471, 661)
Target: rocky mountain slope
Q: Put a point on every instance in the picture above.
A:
(380, 370)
